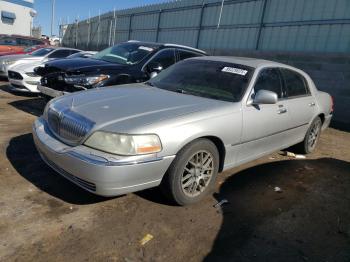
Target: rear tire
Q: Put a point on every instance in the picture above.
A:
(192, 174)
(312, 136)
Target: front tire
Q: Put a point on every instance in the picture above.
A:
(312, 136)
(193, 173)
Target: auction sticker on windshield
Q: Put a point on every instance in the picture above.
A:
(234, 70)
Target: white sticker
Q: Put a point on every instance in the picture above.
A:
(234, 70)
(146, 48)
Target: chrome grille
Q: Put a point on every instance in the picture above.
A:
(69, 126)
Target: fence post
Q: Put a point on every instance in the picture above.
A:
(158, 24)
(88, 40)
(76, 34)
(98, 29)
(130, 19)
(110, 32)
(200, 24)
(262, 18)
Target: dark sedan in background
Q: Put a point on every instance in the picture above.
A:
(129, 62)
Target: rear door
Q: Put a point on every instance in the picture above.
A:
(265, 126)
(301, 104)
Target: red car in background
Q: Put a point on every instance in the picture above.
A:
(26, 50)
(17, 43)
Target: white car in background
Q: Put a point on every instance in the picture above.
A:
(21, 73)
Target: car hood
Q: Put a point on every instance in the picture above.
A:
(81, 65)
(130, 107)
(26, 67)
(12, 57)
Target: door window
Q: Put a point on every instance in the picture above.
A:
(186, 54)
(295, 83)
(60, 54)
(269, 79)
(165, 58)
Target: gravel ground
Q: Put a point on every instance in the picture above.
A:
(45, 217)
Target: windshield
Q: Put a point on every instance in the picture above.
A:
(210, 79)
(41, 52)
(127, 53)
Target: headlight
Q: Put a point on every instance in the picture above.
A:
(8, 62)
(85, 80)
(31, 74)
(122, 144)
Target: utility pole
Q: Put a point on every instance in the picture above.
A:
(52, 15)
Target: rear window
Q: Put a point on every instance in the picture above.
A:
(295, 83)
(211, 79)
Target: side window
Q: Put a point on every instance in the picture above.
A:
(165, 58)
(24, 42)
(295, 83)
(74, 51)
(60, 54)
(269, 79)
(185, 54)
(37, 42)
(7, 41)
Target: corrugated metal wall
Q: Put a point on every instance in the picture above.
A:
(274, 25)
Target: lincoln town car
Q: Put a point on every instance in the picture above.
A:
(181, 128)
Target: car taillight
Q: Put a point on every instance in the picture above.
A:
(332, 104)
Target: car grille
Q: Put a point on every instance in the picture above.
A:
(54, 81)
(14, 75)
(81, 182)
(69, 126)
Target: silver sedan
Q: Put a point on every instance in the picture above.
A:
(178, 130)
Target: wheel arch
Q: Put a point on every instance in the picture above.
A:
(322, 116)
(217, 142)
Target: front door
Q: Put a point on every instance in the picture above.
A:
(264, 126)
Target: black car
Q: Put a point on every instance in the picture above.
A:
(129, 62)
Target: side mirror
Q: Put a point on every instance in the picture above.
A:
(154, 67)
(265, 97)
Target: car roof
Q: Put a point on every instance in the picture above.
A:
(251, 62)
(63, 48)
(168, 45)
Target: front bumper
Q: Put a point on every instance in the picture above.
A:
(22, 85)
(50, 92)
(94, 172)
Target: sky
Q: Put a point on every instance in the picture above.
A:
(72, 9)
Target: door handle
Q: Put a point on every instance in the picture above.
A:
(282, 111)
(312, 104)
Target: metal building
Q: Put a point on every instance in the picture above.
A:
(16, 17)
(279, 25)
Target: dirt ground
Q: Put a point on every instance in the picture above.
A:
(44, 217)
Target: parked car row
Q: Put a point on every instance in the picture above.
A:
(150, 114)
(12, 44)
(19, 69)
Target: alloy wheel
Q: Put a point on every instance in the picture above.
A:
(197, 173)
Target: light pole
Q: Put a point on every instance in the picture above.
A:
(52, 15)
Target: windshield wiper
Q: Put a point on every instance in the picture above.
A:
(181, 91)
(149, 83)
